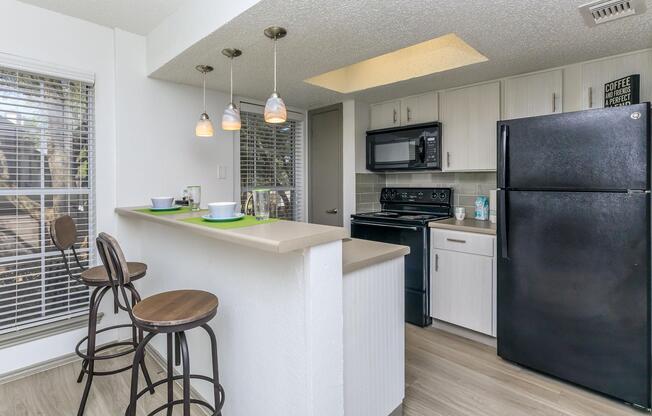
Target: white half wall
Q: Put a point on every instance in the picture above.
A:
(158, 153)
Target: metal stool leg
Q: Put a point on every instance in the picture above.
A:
(186, 373)
(85, 362)
(138, 357)
(92, 328)
(137, 335)
(218, 400)
(170, 374)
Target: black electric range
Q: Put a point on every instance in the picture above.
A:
(403, 219)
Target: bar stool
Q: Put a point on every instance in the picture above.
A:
(171, 313)
(64, 235)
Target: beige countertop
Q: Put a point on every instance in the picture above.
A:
(358, 254)
(277, 237)
(467, 224)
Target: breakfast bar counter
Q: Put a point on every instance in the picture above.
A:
(280, 324)
(277, 237)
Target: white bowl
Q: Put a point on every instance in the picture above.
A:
(222, 209)
(163, 202)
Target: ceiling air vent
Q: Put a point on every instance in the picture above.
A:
(603, 11)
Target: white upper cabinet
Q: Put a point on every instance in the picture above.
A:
(468, 116)
(533, 95)
(414, 109)
(385, 114)
(418, 109)
(596, 74)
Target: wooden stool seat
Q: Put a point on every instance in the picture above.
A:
(175, 308)
(97, 276)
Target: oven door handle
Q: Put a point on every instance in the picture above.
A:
(404, 227)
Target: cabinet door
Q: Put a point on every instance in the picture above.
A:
(419, 109)
(533, 95)
(596, 74)
(384, 115)
(462, 290)
(468, 117)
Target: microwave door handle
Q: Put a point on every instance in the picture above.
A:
(422, 149)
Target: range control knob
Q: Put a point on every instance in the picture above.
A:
(442, 195)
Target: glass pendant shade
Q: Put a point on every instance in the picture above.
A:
(204, 127)
(275, 111)
(231, 118)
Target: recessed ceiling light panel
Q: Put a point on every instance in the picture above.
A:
(425, 58)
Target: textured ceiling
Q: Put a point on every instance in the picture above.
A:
(136, 16)
(516, 35)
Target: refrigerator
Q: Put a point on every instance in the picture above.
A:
(573, 236)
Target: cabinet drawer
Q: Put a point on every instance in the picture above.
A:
(463, 242)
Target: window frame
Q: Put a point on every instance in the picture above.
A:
(294, 114)
(61, 322)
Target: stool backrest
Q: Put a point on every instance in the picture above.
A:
(64, 235)
(63, 232)
(114, 261)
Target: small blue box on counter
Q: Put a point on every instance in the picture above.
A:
(482, 208)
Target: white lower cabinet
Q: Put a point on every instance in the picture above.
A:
(463, 282)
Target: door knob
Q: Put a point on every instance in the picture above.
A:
(331, 211)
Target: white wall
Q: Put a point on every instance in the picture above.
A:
(348, 162)
(157, 151)
(41, 35)
(144, 133)
(361, 127)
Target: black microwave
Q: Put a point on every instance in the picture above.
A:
(416, 147)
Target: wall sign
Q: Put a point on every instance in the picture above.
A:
(623, 91)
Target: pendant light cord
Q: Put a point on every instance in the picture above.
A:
(204, 82)
(274, 64)
(231, 101)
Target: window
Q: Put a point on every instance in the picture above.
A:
(271, 157)
(46, 170)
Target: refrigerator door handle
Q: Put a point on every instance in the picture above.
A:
(502, 175)
(502, 223)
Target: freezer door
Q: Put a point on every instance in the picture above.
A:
(601, 149)
(574, 288)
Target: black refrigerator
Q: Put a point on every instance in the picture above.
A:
(574, 248)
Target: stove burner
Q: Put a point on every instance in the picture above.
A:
(386, 214)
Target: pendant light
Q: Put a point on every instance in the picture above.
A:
(204, 127)
(231, 116)
(275, 111)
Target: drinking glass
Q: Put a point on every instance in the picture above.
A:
(460, 213)
(194, 197)
(261, 204)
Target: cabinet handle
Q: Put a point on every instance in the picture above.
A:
(436, 262)
(394, 116)
(409, 114)
(554, 102)
(455, 240)
(590, 97)
(448, 159)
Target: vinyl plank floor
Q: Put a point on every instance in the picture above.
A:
(451, 376)
(446, 375)
(55, 393)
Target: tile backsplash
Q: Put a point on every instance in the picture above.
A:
(466, 186)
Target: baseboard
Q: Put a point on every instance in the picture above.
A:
(161, 361)
(465, 333)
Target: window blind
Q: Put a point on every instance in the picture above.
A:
(271, 157)
(46, 170)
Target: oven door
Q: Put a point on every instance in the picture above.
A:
(417, 264)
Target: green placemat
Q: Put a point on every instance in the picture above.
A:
(247, 221)
(182, 210)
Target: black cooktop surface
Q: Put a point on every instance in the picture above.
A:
(394, 216)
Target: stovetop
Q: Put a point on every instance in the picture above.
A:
(411, 205)
(393, 216)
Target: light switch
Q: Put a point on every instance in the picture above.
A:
(221, 172)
